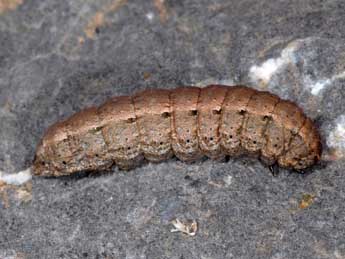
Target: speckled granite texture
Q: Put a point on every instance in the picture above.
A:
(57, 57)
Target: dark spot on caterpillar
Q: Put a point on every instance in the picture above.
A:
(265, 118)
(64, 162)
(242, 112)
(96, 129)
(131, 120)
(217, 111)
(193, 113)
(166, 114)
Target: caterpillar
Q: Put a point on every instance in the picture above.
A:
(189, 122)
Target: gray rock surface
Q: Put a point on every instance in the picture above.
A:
(57, 57)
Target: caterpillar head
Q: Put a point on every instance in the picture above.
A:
(42, 165)
(305, 148)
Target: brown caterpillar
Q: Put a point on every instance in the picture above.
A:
(188, 122)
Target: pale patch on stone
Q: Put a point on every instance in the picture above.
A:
(339, 76)
(336, 138)
(212, 81)
(150, 16)
(263, 73)
(228, 180)
(11, 254)
(16, 179)
(225, 182)
(338, 254)
(15, 188)
(226, 82)
(24, 194)
(317, 86)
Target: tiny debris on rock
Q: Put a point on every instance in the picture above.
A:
(188, 228)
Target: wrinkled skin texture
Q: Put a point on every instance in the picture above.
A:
(188, 122)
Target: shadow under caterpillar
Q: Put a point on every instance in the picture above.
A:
(188, 122)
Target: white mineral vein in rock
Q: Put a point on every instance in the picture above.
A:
(264, 72)
(336, 137)
(17, 178)
(317, 86)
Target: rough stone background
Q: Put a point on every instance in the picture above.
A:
(57, 57)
